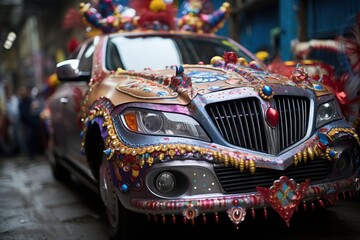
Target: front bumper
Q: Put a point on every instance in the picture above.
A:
(284, 197)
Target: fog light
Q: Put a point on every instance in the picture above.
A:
(165, 182)
(344, 163)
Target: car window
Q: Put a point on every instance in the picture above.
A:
(86, 58)
(140, 52)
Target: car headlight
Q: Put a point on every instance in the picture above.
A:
(162, 123)
(327, 112)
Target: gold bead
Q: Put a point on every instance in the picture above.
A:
(232, 161)
(300, 156)
(216, 59)
(172, 153)
(226, 160)
(236, 163)
(241, 164)
(150, 149)
(246, 164)
(310, 153)
(305, 155)
(128, 151)
(252, 166)
(188, 148)
(164, 148)
(296, 161)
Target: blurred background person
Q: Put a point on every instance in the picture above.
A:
(13, 120)
(10, 137)
(30, 109)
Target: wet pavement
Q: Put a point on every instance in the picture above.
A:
(35, 206)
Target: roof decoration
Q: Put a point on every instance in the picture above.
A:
(108, 16)
(154, 14)
(196, 21)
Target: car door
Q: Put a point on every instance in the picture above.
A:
(67, 121)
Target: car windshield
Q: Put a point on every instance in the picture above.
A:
(160, 51)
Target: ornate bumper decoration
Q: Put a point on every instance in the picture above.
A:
(284, 196)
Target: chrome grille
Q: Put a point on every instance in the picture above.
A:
(241, 122)
(294, 117)
(234, 181)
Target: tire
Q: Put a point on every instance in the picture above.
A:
(60, 173)
(118, 218)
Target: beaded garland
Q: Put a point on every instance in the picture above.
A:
(128, 163)
(140, 157)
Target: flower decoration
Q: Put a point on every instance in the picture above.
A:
(230, 57)
(155, 14)
(195, 20)
(299, 75)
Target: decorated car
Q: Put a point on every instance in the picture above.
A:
(169, 120)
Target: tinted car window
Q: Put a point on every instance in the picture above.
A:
(86, 58)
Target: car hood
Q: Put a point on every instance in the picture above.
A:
(174, 86)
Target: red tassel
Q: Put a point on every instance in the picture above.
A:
(265, 213)
(304, 206)
(216, 218)
(204, 218)
(237, 226)
(253, 213)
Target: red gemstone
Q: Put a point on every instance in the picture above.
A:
(321, 146)
(272, 117)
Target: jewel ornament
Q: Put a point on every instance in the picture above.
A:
(236, 215)
(266, 92)
(272, 117)
(284, 196)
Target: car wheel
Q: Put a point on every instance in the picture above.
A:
(117, 216)
(59, 172)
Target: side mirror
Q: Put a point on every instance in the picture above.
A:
(68, 70)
